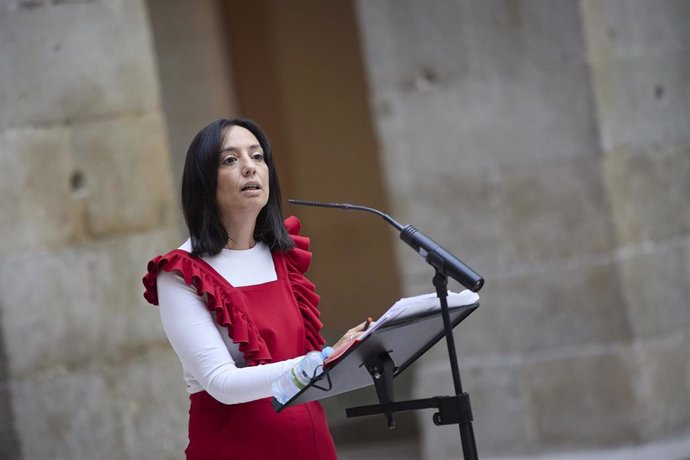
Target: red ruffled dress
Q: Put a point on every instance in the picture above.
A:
(270, 322)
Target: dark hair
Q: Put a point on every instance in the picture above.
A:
(199, 182)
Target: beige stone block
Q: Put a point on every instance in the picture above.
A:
(436, 441)
(132, 322)
(126, 174)
(397, 36)
(631, 91)
(136, 256)
(557, 212)
(639, 59)
(656, 284)
(649, 194)
(583, 399)
(567, 306)
(75, 60)
(9, 442)
(67, 415)
(78, 304)
(516, 221)
(686, 361)
(109, 409)
(464, 215)
(37, 205)
(503, 421)
(661, 386)
(618, 29)
(494, 85)
(601, 396)
(152, 405)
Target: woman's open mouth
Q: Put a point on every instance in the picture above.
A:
(250, 187)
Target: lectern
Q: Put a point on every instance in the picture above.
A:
(379, 358)
(382, 356)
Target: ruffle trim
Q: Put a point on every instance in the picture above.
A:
(297, 262)
(228, 304)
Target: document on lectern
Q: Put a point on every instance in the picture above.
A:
(419, 305)
(408, 307)
(401, 337)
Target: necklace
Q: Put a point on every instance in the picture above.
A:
(251, 245)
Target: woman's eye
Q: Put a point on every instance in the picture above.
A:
(229, 160)
(258, 156)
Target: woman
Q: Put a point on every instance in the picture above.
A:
(235, 304)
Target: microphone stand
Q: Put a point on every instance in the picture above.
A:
(469, 445)
(452, 410)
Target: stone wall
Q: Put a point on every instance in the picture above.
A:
(85, 200)
(639, 55)
(546, 144)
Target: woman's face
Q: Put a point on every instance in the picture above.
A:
(242, 174)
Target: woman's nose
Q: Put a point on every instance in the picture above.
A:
(248, 168)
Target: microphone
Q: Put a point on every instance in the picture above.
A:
(435, 254)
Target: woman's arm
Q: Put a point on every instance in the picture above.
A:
(193, 335)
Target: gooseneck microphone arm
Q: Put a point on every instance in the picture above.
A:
(435, 254)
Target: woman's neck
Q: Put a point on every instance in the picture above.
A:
(241, 232)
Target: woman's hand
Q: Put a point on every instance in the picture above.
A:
(350, 336)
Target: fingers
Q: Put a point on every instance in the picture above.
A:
(360, 327)
(349, 336)
(352, 334)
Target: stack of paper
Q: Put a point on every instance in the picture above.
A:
(412, 306)
(405, 308)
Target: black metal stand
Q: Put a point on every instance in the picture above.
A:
(452, 409)
(469, 446)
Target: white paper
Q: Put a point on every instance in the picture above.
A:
(411, 306)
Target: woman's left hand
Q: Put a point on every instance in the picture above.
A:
(350, 335)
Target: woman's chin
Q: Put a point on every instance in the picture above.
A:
(251, 203)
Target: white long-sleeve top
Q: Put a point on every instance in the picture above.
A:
(210, 360)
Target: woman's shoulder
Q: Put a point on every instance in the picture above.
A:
(178, 261)
(183, 250)
(171, 257)
(186, 246)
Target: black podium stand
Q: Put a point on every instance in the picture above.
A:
(379, 359)
(382, 356)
